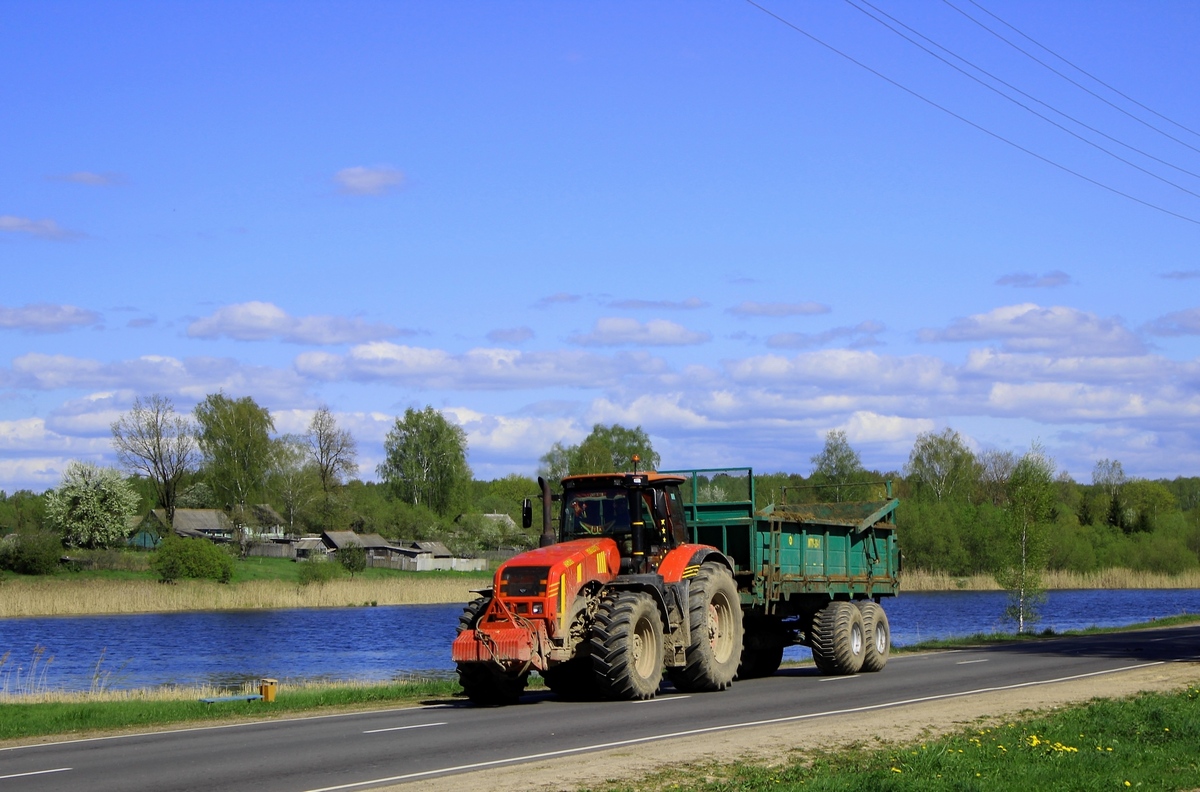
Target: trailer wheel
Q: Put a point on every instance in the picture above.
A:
(762, 647)
(485, 683)
(715, 621)
(627, 646)
(878, 635)
(838, 639)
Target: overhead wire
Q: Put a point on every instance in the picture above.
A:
(1078, 85)
(1025, 107)
(966, 120)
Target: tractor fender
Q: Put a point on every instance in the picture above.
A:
(667, 598)
(684, 561)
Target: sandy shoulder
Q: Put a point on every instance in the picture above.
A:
(772, 744)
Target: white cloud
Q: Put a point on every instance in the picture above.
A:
(862, 335)
(1177, 323)
(46, 318)
(510, 335)
(476, 369)
(189, 379)
(995, 365)
(854, 370)
(1031, 328)
(42, 229)
(690, 304)
(749, 308)
(560, 298)
(91, 178)
(1026, 280)
(869, 427)
(360, 180)
(620, 331)
(261, 321)
(36, 473)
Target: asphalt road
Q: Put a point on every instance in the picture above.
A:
(362, 750)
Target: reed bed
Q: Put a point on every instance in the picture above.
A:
(921, 580)
(57, 597)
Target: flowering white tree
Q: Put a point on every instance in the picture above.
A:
(89, 507)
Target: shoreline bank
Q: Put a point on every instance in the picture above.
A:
(56, 596)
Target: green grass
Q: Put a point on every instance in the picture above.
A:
(66, 717)
(1150, 741)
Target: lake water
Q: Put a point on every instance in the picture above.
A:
(227, 648)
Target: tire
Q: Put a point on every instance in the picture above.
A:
(715, 621)
(626, 646)
(762, 647)
(572, 680)
(878, 635)
(486, 684)
(838, 639)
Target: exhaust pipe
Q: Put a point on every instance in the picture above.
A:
(548, 537)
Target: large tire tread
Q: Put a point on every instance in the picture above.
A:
(877, 634)
(838, 639)
(626, 646)
(715, 626)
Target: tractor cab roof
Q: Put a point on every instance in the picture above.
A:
(648, 478)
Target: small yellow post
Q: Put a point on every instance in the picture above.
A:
(267, 690)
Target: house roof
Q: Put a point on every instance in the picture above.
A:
(199, 522)
(438, 549)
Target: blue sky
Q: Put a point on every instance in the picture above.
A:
(692, 217)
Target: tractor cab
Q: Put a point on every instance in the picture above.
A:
(641, 512)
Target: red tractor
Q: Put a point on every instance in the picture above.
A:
(603, 608)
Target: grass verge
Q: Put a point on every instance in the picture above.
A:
(1149, 741)
(68, 714)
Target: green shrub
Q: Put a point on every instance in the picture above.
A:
(31, 552)
(353, 558)
(192, 558)
(317, 571)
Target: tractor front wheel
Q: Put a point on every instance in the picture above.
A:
(715, 617)
(627, 646)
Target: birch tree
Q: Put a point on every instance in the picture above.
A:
(942, 464)
(425, 460)
(235, 437)
(1026, 547)
(155, 441)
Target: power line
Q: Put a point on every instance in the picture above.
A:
(1028, 109)
(1081, 87)
(965, 120)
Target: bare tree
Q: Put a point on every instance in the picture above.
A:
(334, 453)
(995, 468)
(154, 440)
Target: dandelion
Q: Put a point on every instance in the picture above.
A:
(897, 770)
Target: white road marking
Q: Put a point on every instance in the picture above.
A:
(968, 662)
(710, 729)
(36, 772)
(402, 728)
(838, 678)
(664, 698)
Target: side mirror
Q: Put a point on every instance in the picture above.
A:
(526, 514)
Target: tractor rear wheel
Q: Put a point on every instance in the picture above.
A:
(627, 646)
(486, 683)
(878, 635)
(838, 639)
(715, 621)
(762, 647)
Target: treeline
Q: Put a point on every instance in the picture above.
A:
(957, 511)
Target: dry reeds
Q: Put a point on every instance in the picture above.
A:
(57, 597)
(921, 580)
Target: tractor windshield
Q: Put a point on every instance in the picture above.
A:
(595, 512)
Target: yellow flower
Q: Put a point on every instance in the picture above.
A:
(897, 770)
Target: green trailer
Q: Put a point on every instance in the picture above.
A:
(808, 573)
